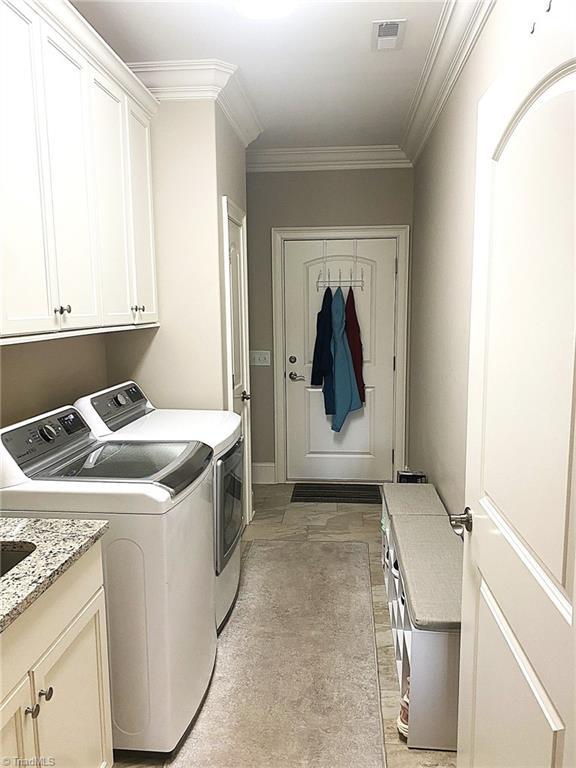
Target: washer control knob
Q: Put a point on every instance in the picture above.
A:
(120, 399)
(47, 433)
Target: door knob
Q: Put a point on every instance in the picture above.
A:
(461, 521)
(292, 359)
(246, 395)
(295, 377)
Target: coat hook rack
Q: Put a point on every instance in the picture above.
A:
(351, 283)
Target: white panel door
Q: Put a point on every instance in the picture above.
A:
(110, 173)
(28, 276)
(142, 217)
(74, 725)
(238, 346)
(517, 680)
(363, 448)
(67, 109)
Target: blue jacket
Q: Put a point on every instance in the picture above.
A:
(345, 387)
(322, 363)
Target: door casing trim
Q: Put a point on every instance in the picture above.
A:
(230, 210)
(401, 233)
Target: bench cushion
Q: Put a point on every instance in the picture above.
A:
(430, 559)
(412, 499)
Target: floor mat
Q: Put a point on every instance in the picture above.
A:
(296, 681)
(336, 493)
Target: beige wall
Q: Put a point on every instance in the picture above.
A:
(441, 268)
(181, 363)
(40, 376)
(307, 199)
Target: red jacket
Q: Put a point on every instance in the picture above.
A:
(355, 342)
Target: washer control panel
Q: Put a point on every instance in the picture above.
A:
(121, 406)
(46, 436)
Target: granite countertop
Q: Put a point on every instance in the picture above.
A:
(58, 544)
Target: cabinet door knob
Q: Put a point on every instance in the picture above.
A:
(68, 308)
(47, 694)
(59, 310)
(134, 308)
(143, 308)
(33, 711)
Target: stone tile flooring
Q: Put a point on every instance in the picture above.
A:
(277, 519)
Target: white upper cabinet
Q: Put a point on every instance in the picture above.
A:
(66, 86)
(27, 265)
(142, 219)
(110, 171)
(76, 231)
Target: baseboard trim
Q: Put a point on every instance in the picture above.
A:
(264, 473)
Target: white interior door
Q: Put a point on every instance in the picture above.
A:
(238, 338)
(517, 681)
(362, 451)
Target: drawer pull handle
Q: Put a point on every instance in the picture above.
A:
(33, 711)
(47, 694)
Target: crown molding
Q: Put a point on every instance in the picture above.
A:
(326, 158)
(203, 79)
(457, 32)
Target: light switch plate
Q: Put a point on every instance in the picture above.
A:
(259, 357)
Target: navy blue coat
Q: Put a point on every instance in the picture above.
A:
(322, 362)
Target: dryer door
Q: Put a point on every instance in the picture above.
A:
(229, 509)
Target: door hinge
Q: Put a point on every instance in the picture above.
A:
(233, 381)
(393, 456)
(396, 266)
(394, 363)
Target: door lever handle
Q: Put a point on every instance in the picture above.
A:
(295, 377)
(246, 396)
(461, 521)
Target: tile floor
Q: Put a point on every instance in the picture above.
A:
(277, 519)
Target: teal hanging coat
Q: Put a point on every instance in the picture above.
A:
(345, 387)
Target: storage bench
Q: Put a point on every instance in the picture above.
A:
(422, 561)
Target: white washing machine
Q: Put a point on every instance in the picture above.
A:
(126, 412)
(158, 558)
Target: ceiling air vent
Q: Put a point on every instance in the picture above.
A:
(388, 35)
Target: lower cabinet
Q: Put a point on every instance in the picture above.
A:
(59, 712)
(16, 725)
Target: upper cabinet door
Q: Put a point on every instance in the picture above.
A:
(142, 219)
(66, 83)
(29, 290)
(110, 174)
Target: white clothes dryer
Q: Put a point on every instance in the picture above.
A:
(126, 412)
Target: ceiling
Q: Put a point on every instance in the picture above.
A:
(311, 76)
